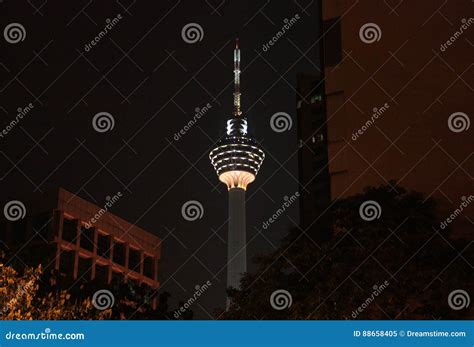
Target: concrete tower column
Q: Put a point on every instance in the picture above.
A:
(236, 243)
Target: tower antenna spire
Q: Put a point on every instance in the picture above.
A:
(237, 112)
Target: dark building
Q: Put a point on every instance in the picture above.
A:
(395, 104)
(313, 155)
(82, 241)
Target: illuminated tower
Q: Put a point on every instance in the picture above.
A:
(236, 159)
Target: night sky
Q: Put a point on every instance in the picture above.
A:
(151, 81)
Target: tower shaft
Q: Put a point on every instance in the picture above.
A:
(236, 243)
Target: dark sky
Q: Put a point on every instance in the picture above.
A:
(151, 81)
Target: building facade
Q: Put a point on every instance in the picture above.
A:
(397, 90)
(313, 154)
(83, 242)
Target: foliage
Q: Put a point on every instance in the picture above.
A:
(19, 299)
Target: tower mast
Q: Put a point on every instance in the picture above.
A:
(237, 111)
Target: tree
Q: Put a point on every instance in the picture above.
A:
(397, 266)
(20, 299)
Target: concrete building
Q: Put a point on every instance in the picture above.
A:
(397, 94)
(82, 241)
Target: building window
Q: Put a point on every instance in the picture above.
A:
(69, 230)
(316, 98)
(134, 259)
(148, 267)
(119, 253)
(332, 41)
(87, 238)
(103, 246)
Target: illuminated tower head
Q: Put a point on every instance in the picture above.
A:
(237, 157)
